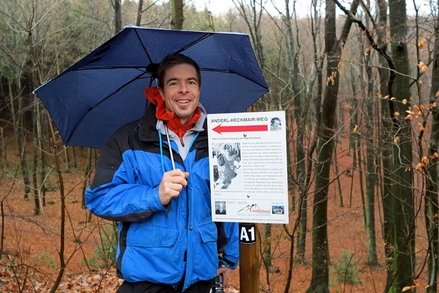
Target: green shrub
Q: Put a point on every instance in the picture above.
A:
(104, 252)
(345, 268)
(46, 258)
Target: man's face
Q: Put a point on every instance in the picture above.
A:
(181, 91)
(276, 124)
(221, 160)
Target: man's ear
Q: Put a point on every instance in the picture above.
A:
(162, 93)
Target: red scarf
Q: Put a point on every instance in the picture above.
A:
(171, 120)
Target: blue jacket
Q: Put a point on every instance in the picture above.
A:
(160, 244)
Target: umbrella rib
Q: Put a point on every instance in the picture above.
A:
(217, 70)
(143, 45)
(116, 90)
(111, 67)
(193, 43)
(145, 66)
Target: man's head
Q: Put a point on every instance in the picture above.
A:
(275, 123)
(179, 85)
(172, 60)
(221, 160)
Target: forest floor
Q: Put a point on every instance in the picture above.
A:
(32, 246)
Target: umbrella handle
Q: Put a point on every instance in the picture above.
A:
(170, 148)
(168, 208)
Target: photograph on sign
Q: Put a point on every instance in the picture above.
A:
(226, 165)
(248, 165)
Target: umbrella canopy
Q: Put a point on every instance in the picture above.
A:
(104, 90)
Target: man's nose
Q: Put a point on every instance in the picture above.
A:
(183, 88)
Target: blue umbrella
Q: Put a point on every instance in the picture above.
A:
(104, 90)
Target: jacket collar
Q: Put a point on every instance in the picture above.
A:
(148, 125)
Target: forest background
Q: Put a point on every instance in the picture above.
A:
(359, 83)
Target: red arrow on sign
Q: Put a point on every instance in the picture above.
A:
(244, 128)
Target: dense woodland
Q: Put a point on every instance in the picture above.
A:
(358, 80)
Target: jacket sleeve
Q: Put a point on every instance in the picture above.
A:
(113, 194)
(230, 255)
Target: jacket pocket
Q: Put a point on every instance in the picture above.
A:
(152, 237)
(208, 232)
(206, 256)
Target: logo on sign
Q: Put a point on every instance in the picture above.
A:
(254, 208)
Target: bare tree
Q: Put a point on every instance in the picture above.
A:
(177, 14)
(116, 5)
(304, 153)
(402, 229)
(431, 201)
(386, 74)
(13, 65)
(139, 12)
(371, 176)
(325, 149)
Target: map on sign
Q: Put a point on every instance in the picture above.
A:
(248, 167)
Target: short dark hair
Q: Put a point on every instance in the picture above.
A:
(172, 60)
(275, 119)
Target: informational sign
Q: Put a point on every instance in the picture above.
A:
(248, 167)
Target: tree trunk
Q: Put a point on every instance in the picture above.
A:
(87, 176)
(177, 15)
(320, 248)
(431, 201)
(17, 118)
(371, 178)
(402, 234)
(139, 12)
(299, 115)
(385, 140)
(35, 162)
(316, 99)
(117, 16)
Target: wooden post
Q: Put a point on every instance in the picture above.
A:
(250, 244)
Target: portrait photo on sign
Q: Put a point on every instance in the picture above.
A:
(226, 158)
(275, 124)
(220, 207)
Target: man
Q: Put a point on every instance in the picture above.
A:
(161, 198)
(225, 172)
